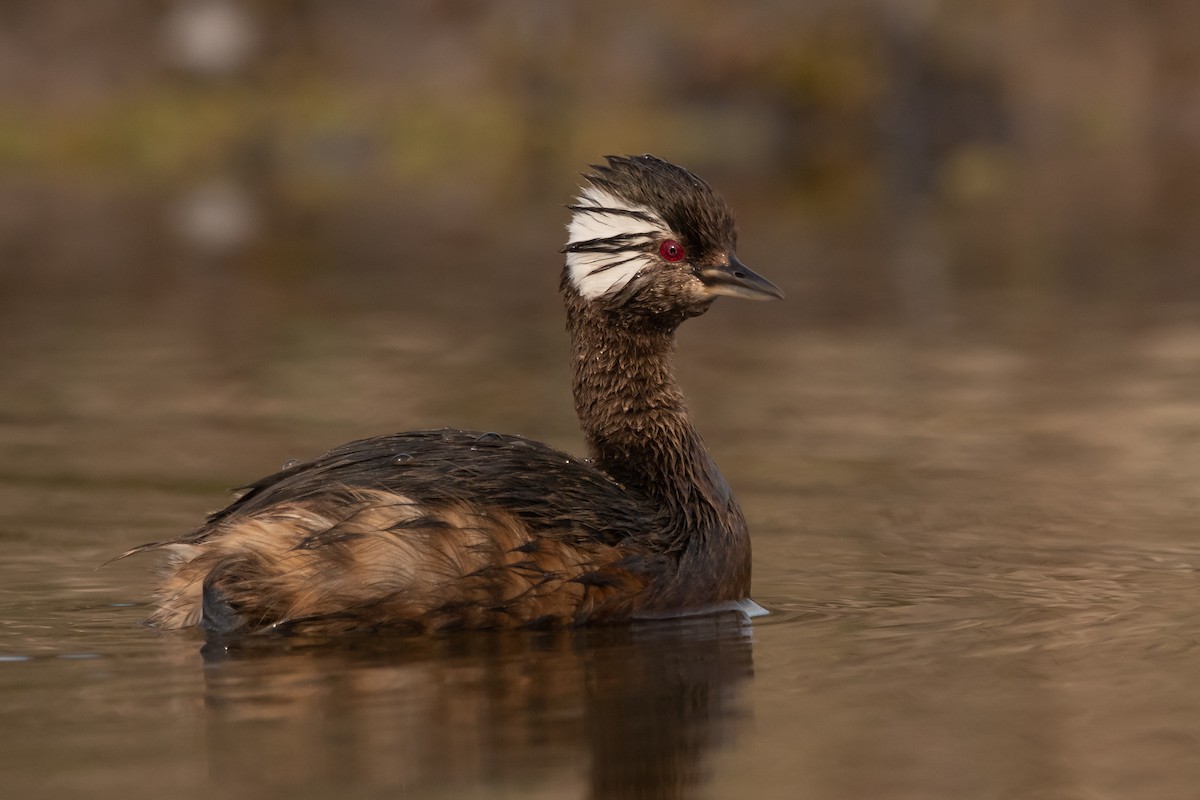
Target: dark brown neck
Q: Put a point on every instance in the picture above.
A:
(638, 431)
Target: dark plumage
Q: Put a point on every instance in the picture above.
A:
(441, 529)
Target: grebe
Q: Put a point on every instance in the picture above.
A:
(443, 529)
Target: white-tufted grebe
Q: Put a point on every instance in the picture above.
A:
(435, 530)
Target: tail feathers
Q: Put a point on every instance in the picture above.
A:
(141, 548)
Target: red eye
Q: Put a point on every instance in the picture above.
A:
(671, 250)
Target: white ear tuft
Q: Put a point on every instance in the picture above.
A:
(621, 232)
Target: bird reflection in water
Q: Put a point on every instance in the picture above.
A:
(630, 711)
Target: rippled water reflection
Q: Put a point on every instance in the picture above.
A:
(980, 553)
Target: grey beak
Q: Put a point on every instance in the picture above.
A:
(735, 279)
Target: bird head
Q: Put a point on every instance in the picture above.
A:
(649, 238)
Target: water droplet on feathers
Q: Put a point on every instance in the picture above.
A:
(489, 439)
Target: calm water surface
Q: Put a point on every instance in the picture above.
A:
(979, 546)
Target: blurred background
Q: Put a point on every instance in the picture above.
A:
(889, 158)
(237, 232)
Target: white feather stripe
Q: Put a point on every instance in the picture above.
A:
(602, 216)
(627, 226)
(595, 197)
(594, 278)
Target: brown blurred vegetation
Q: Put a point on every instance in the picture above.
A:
(886, 158)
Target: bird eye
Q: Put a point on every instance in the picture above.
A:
(671, 250)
